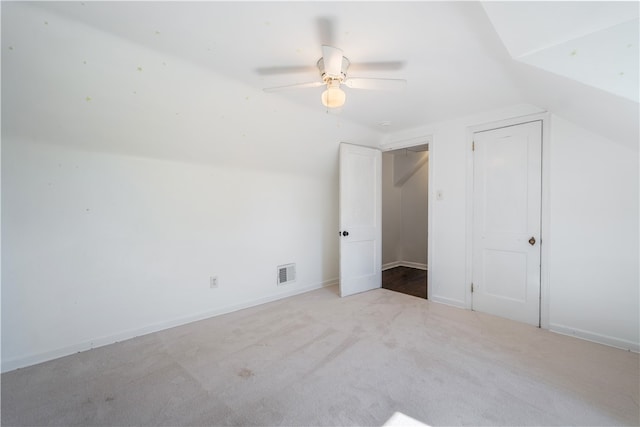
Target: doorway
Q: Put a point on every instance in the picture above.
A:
(405, 202)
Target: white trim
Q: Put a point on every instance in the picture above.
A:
(410, 142)
(545, 209)
(468, 253)
(449, 301)
(408, 264)
(545, 223)
(10, 365)
(430, 218)
(595, 337)
(416, 265)
(390, 265)
(363, 145)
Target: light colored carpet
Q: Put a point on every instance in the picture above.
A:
(317, 359)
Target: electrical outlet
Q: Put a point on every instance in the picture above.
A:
(213, 282)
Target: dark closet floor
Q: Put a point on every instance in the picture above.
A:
(411, 281)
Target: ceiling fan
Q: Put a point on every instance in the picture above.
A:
(333, 68)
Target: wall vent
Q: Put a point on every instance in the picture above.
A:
(286, 274)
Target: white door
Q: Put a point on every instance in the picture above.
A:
(507, 184)
(360, 219)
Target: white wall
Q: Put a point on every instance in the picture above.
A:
(594, 282)
(99, 247)
(391, 214)
(593, 236)
(415, 213)
(117, 209)
(447, 281)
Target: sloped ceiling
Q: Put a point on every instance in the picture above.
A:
(593, 43)
(577, 59)
(453, 55)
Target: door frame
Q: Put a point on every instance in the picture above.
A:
(545, 211)
(414, 142)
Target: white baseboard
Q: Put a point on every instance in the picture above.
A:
(448, 301)
(10, 365)
(416, 265)
(390, 265)
(409, 264)
(595, 337)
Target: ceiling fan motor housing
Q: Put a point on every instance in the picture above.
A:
(328, 77)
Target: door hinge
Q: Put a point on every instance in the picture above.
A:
(473, 146)
(471, 287)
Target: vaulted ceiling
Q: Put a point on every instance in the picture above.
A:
(578, 59)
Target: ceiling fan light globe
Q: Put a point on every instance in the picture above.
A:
(333, 97)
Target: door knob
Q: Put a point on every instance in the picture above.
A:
(345, 233)
(532, 241)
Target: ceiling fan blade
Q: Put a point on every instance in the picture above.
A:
(375, 66)
(375, 84)
(294, 86)
(267, 71)
(332, 58)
